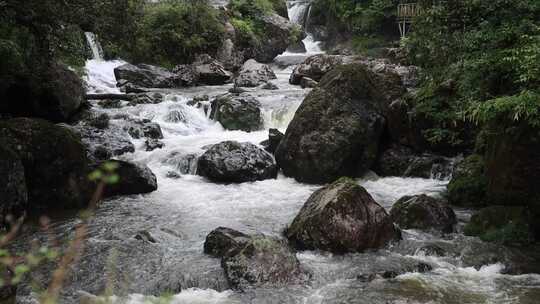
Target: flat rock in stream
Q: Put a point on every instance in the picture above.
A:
(234, 162)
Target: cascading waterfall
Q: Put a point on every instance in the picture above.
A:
(95, 46)
(299, 12)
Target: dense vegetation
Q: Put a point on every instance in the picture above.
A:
(483, 64)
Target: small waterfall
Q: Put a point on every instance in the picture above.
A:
(299, 12)
(93, 43)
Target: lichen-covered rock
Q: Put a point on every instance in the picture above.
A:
(147, 76)
(253, 74)
(54, 160)
(133, 179)
(222, 240)
(262, 261)
(502, 224)
(237, 112)
(13, 192)
(468, 184)
(341, 217)
(234, 162)
(423, 212)
(336, 131)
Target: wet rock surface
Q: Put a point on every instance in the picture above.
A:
(337, 129)
(147, 76)
(253, 74)
(341, 217)
(257, 260)
(132, 179)
(237, 112)
(234, 162)
(423, 212)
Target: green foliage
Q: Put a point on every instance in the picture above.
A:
(489, 50)
(469, 183)
(501, 224)
(247, 30)
(364, 17)
(173, 32)
(251, 8)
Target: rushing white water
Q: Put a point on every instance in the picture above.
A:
(299, 11)
(93, 43)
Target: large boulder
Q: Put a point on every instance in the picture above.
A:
(467, 187)
(132, 179)
(234, 162)
(254, 261)
(341, 217)
(423, 212)
(211, 71)
(237, 112)
(337, 129)
(56, 95)
(143, 128)
(316, 66)
(253, 74)
(54, 160)
(277, 37)
(147, 76)
(13, 192)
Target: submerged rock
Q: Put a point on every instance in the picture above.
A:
(253, 74)
(423, 212)
(143, 128)
(341, 217)
(133, 179)
(234, 162)
(222, 240)
(254, 261)
(337, 129)
(237, 112)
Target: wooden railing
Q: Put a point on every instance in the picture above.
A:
(408, 11)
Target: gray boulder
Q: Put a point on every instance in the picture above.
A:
(133, 179)
(253, 74)
(210, 71)
(147, 76)
(254, 261)
(423, 212)
(234, 162)
(341, 217)
(237, 112)
(316, 66)
(337, 129)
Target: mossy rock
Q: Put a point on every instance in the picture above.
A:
(501, 224)
(468, 184)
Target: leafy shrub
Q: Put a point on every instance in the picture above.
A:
(174, 32)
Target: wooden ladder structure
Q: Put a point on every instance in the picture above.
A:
(406, 12)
